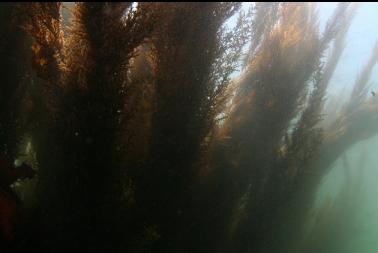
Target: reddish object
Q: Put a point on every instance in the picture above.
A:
(10, 212)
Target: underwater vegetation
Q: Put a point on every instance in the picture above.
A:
(154, 127)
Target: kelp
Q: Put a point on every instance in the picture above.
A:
(145, 140)
(14, 49)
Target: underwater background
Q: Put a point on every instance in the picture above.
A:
(189, 127)
(362, 157)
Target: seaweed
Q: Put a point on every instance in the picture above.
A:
(154, 127)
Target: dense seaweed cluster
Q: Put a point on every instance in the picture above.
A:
(145, 141)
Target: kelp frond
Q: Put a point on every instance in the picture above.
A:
(42, 21)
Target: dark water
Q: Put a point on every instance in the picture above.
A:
(188, 127)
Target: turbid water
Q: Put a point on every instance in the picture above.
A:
(189, 127)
